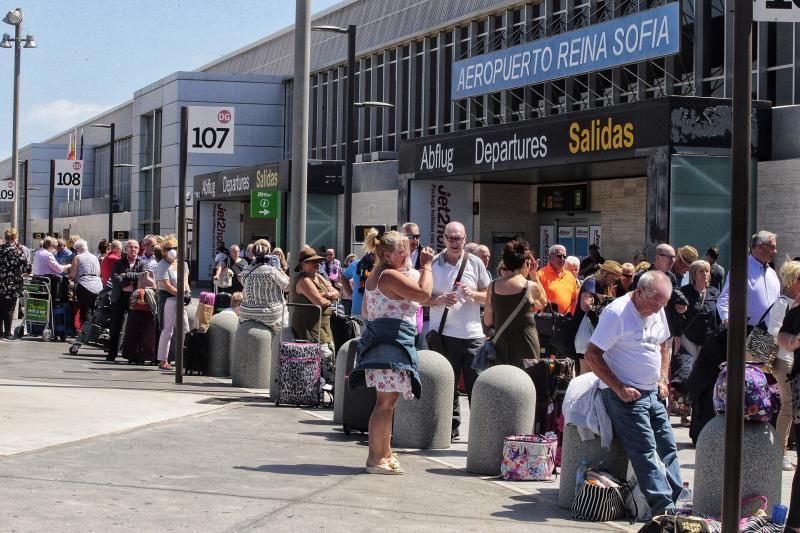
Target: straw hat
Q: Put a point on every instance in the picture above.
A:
(307, 254)
(612, 267)
(688, 254)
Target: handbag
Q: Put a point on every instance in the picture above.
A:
(760, 345)
(584, 334)
(487, 353)
(601, 498)
(434, 337)
(529, 457)
(556, 330)
(225, 279)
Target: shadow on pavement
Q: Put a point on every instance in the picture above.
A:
(453, 472)
(305, 470)
(337, 435)
(534, 508)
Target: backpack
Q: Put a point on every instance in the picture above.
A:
(758, 405)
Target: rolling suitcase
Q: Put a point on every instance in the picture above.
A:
(357, 404)
(195, 351)
(62, 318)
(299, 370)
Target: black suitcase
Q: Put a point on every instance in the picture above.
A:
(195, 352)
(357, 404)
(344, 328)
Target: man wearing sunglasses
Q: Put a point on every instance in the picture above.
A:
(411, 232)
(462, 334)
(763, 285)
(677, 305)
(559, 283)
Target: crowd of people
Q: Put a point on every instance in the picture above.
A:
(654, 327)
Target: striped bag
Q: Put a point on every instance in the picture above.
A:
(601, 498)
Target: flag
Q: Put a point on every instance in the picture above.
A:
(71, 153)
(81, 156)
(75, 145)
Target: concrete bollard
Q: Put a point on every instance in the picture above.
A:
(503, 403)
(761, 465)
(339, 384)
(426, 423)
(221, 334)
(574, 450)
(252, 353)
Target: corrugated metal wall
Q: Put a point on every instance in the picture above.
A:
(380, 23)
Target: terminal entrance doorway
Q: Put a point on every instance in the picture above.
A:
(572, 232)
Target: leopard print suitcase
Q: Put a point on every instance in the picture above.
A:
(299, 368)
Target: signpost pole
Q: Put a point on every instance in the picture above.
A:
(52, 196)
(737, 319)
(179, 333)
(111, 186)
(302, 34)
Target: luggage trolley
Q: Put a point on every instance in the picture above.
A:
(38, 302)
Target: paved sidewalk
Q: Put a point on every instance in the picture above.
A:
(93, 446)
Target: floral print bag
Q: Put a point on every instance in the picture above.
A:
(529, 457)
(758, 403)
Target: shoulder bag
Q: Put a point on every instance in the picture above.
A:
(487, 353)
(556, 331)
(434, 337)
(760, 345)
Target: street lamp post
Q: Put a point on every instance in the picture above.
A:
(112, 128)
(349, 130)
(14, 18)
(349, 127)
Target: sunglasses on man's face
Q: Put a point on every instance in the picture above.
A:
(411, 236)
(560, 256)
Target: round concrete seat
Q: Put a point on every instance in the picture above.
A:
(221, 334)
(427, 421)
(574, 451)
(252, 355)
(339, 384)
(761, 465)
(503, 403)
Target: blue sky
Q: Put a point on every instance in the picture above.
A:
(93, 54)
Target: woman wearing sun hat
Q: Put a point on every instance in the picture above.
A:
(597, 290)
(311, 287)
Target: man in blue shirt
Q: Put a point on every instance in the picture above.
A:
(63, 254)
(358, 271)
(763, 285)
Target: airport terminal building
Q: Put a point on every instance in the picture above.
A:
(571, 121)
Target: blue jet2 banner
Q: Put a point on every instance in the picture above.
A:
(646, 35)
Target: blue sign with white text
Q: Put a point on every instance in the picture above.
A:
(646, 35)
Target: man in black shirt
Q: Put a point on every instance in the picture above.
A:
(717, 272)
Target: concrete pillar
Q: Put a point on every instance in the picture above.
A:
(503, 403)
(221, 334)
(574, 450)
(252, 354)
(427, 421)
(761, 465)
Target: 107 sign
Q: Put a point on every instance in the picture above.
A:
(210, 130)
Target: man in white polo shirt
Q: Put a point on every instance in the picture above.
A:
(462, 334)
(629, 352)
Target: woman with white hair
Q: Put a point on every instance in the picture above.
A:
(85, 273)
